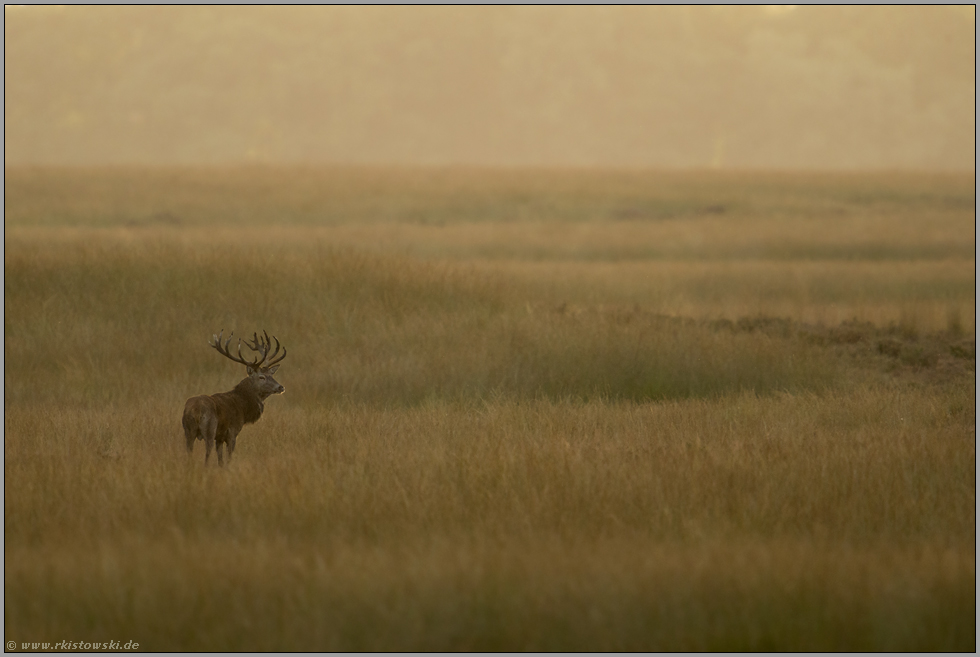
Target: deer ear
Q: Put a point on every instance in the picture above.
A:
(249, 370)
(272, 370)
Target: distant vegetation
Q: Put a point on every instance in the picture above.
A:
(546, 411)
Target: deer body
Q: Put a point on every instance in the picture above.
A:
(218, 419)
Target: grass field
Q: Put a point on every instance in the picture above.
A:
(523, 411)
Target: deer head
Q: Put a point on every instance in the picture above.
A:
(261, 368)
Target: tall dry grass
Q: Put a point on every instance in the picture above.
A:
(361, 327)
(796, 522)
(490, 441)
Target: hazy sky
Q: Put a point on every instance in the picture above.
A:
(760, 87)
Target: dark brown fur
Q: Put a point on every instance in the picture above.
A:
(218, 419)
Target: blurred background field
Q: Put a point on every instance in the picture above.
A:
(555, 409)
(813, 247)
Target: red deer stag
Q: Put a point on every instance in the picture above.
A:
(219, 418)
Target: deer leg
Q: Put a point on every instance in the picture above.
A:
(207, 429)
(220, 449)
(192, 429)
(231, 445)
(208, 445)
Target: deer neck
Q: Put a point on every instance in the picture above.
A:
(252, 405)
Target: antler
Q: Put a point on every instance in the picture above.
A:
(223, 349)
(258, 344)
(263, 344)
(272, 360)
